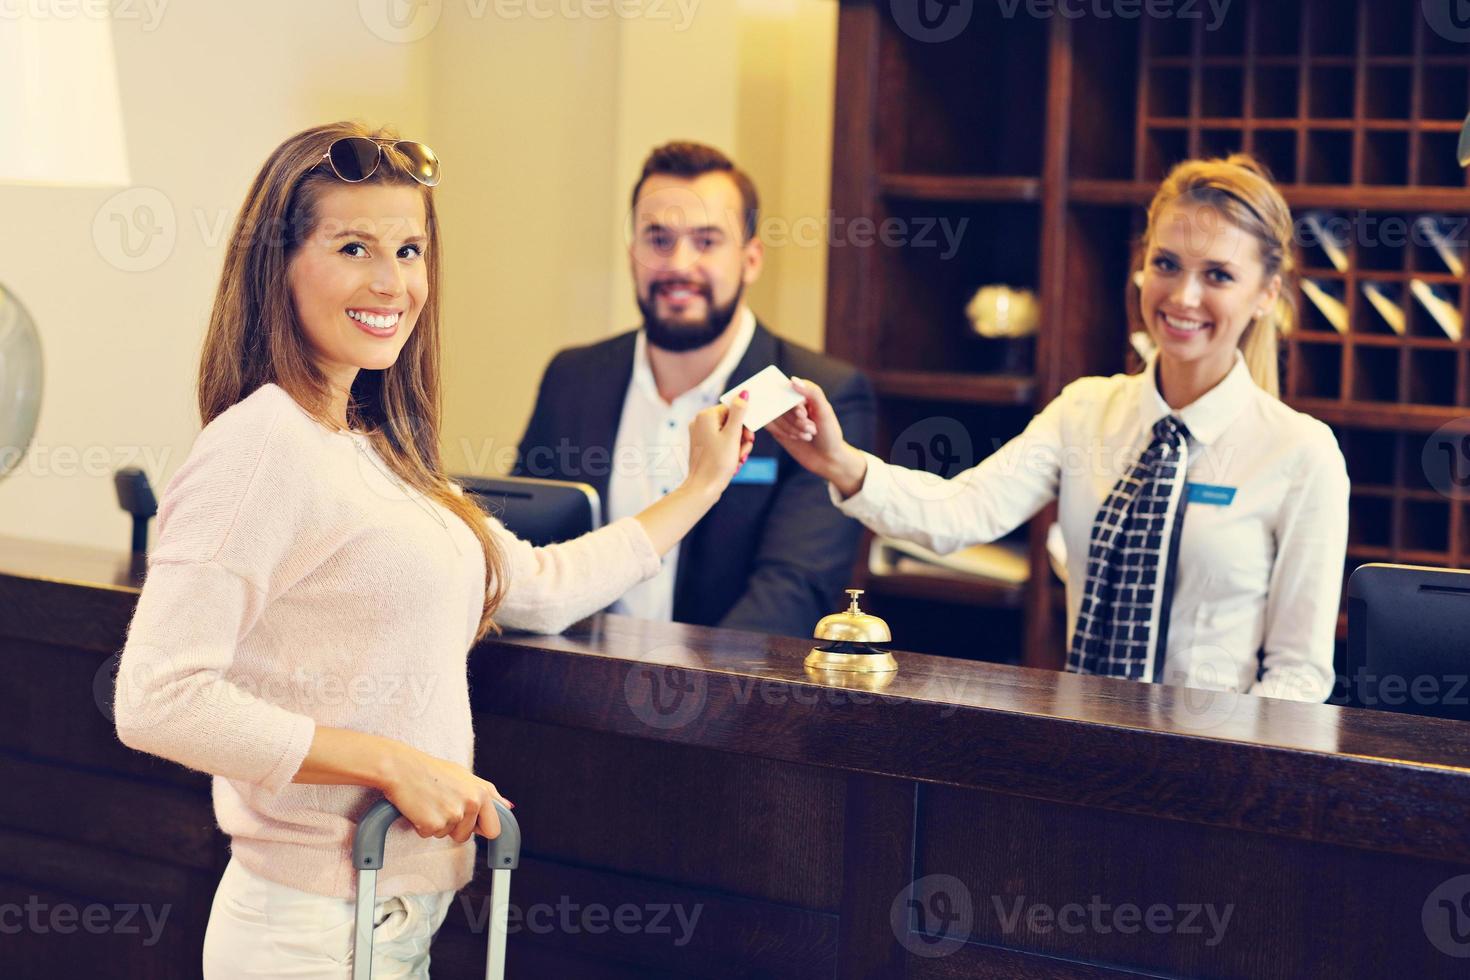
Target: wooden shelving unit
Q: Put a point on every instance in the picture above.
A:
(951, 589)
(948, 386)
(1046, 136)
(928, 187)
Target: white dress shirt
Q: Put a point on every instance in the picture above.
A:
(651, 456)
(1259, 577)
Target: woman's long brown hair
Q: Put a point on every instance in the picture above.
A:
(255, 337)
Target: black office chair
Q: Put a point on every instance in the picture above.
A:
(1408, 642)
(539, 511)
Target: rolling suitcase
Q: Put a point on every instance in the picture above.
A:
(503, 855)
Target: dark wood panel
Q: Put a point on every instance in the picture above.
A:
(1299, 197)
(965, 590)
(852, 309)
(1408, 418)
(1238, 904)
(459, 953)
(96, 872)
(973, 962)
(877, 864)
(945, 187)
(121, 945)
(1096, 298)
(574, 913)
(148, 820)
(83, 734)
(77, 614)
(1038, 647)
(941, 89)
(85, 911)
(739, 824)
(978, 389)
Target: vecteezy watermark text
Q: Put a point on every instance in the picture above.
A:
(937, 21)
(1101, 918)
(667, 696)
(935, 915)
(1216, 10)
(407, 21)
(569, 918)
(1369, 690)
(307, 689)
(63, 918)
(67, 461)
(150, 12)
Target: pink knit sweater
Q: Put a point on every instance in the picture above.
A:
(295, 583)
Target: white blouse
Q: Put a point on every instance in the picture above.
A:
(1261, 555)
(651, 456)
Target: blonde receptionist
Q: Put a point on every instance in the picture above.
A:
(1205, 521)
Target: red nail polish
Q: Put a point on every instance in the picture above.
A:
(745, 396)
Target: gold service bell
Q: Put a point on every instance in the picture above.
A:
(851, 636)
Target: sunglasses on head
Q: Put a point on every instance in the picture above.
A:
(356, 158)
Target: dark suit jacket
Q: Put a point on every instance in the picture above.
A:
(771, 557)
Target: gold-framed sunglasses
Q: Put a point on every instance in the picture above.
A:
(356, 158)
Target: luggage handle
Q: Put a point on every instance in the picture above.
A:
(501, 853)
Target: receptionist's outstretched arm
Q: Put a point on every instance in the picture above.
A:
(981, 504)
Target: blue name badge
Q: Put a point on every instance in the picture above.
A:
(758, 470)
(1204, 493)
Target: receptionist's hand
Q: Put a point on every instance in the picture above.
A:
(812, 435)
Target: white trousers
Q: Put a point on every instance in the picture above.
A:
(258, 928)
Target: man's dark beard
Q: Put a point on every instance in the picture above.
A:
(678, 337)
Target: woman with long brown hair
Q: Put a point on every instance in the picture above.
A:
(318, 580)
(1205, 520)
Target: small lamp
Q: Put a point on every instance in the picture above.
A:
(60, 112)
(60, 126)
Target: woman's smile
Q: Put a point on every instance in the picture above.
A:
(376, 322)
(1183, 326)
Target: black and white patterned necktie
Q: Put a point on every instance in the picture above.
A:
(1128, 572)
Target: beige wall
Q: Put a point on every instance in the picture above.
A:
(753, 77)
(787, 70)
(542, 123)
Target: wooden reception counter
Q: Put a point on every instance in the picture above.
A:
(694, 804)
